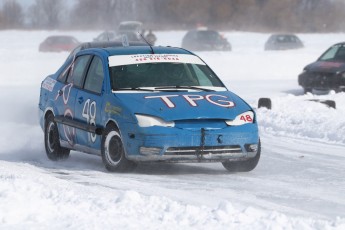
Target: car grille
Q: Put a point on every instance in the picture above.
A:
(217, 150)
(323, 80)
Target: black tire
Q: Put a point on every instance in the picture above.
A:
(52, 145)
(113, 153)
(307, 90)
(243, 166)
(265, 102)
(329, 103)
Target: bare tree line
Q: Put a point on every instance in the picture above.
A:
(264, 15)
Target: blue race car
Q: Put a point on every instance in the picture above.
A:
(132, 104)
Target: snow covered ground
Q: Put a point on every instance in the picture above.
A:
(298, 184)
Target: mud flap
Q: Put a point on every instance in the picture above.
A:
(200, 151)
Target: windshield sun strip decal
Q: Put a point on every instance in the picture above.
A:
(119, 60)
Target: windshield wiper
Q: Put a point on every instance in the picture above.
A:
(185, 87)
(135, 88)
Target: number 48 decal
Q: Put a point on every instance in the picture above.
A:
(89, 113)
(246, 118)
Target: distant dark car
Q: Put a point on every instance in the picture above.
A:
(327, 73)
(205, 40)
(58, 44)
(283, 42)
(131, 30)
(133, 26)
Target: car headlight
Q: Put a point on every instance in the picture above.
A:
(244, 118)
(148, 121)
(340, 74)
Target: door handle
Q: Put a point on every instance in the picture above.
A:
(80, 100)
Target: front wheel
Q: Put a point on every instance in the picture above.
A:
(113, 153)
(243, 166)
(52, 141)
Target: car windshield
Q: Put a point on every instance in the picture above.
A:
(285, 39)
(335, 53)
(208, 35)
(135, 26)
(163, 75)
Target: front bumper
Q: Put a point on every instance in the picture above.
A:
(197, 145)
(321, 81)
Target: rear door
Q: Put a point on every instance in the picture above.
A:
(73, 79)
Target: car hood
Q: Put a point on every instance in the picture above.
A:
(326, 66)
(185, 105)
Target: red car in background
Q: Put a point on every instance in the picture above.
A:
(58, 43)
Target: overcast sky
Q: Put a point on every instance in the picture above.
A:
(27, 3)
(24, 3)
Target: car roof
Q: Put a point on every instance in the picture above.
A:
(130, 23)
(60, 37)
(129, 50)
(117, 48)
(283, 35)
(106, 44)
(203, 30)
(339, 43)
(102, 44)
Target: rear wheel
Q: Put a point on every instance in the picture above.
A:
(307, 90)
(113, 153)
(52, 141)
(243, 166)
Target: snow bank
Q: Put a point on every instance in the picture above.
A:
(34, 199)
(301, 117)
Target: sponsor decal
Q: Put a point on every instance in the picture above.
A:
(49, 84)
(153, 58)
(192, 100)
(112, 109)
(69, 131)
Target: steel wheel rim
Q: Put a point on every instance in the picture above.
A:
(51, 137)
(113, 148)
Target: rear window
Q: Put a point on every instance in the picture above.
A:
(208, 35)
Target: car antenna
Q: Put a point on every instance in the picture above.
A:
(125, 40)
(146, 42)
(108, 36)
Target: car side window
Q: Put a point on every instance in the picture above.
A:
(63, 76)
(330, 54)
(77, 72)
(95, 76)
